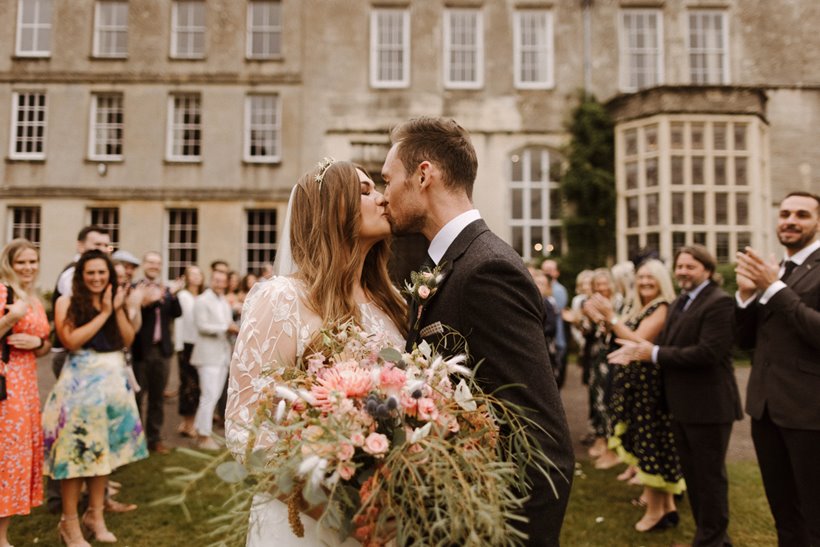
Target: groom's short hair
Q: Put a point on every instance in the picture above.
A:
(442, 142)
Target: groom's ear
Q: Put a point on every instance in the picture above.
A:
(426, 173)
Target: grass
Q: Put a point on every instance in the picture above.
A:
(599, 511)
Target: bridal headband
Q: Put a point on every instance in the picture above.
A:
(323, 166)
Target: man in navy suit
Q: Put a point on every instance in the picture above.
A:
(486, 295)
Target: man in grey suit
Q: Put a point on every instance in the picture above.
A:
(778, 314)
(694, 351)
(486, 295)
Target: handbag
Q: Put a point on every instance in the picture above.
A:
(6, 350)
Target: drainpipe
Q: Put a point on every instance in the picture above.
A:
(587, 4)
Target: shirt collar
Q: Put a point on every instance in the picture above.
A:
(445, 237)
(697, 290)
(801, 256)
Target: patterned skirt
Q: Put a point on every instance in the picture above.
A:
(90, 420)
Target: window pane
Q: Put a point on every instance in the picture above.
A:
(631, 175)
(720, 170)
(721, 208)
(699, 238)
(632, 212)
(719, 135)
(740, 171)
(517, 203)
(697, 136)
(677, 170)
(651, 136)
(652, 209)
(722, 247)
(698, 208)
(678, 241)
(741, 208)
(698, 170)
(744, 239)
(653, 241)
(678, 200)
(633, 245)
(740, 136)
(651, 172)
(631, 138)
(676, 135)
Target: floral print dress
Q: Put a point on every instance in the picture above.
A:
(21, 437)
(90, 419)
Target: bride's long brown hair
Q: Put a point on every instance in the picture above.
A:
(325, 223)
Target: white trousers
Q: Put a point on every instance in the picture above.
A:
(211, 383)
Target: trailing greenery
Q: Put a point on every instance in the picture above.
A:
(588, 187)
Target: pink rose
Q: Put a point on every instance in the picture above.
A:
(427, 409)
(409, 404)
(376, 444)
(345, 451)
(424, 292)
(357, 439)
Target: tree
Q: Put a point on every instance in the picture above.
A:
(588, 186)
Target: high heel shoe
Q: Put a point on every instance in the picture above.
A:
(67, 537)
(669, 520)
(96, 527)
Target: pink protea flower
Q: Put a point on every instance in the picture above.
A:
(341, 381)
(392, 378)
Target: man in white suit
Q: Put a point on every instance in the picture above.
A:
(212, 353)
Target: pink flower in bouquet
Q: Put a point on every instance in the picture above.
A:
(392, 378)
(376, 444)
(357, 439)
(343, 380)
(346, 470)
(427, 409)
(345, 451)
(409, 404)
(424, 292)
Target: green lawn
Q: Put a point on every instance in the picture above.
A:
(599, 511)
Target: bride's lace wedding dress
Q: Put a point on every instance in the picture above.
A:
(276, 327)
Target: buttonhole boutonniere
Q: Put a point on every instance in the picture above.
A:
(422, 286)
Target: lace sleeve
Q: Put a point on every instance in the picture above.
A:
(270, 338)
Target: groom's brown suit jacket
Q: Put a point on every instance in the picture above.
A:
(489, 297)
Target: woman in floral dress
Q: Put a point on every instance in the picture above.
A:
(25, 328)
(90, 419)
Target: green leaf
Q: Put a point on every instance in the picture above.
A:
(399, 436)
(231, 472)
(391, 355)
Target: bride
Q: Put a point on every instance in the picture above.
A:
(333, 268)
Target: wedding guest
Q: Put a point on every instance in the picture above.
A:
(185, 334)
(598, 339)
(90, 237)
(574, 316)
(130, 262)
(267, 270)
(212, 353)
(694, 353)
(92, 406)
(561, 297)
(551, 316)
(24, 329)
(642, 426)
(153, 347)
(778, 313)
(623, 277)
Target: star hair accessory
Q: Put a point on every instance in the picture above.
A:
(323, 166)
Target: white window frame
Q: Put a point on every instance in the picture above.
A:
(176, 29)
(172, 128)
(276, 127)
(13, 154)
(722, 51)
(36, 223)
(544, 50)
(108, 218)
(37, 27)
(106, 125)
(270, 30)
(625, 53)
(247, 246)
(99, 29)
(478, 82)
(527, 184)
(168, 247)
(377, 49)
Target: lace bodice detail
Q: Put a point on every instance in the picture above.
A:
(276, 327)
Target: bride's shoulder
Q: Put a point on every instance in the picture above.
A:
(278, 289)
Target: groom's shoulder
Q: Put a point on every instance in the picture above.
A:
(488, 246)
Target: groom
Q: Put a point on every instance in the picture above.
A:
(486, 295)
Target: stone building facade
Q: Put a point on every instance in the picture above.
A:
(183, 124)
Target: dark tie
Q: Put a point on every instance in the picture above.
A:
(789, 268)
(681, 307)
(428, 263)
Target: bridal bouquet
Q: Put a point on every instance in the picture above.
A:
(388, 446)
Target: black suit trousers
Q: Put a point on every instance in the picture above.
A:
(152, 376)
(790, 464)
(702, 452)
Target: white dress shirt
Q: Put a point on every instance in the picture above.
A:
(798, 258)
(445, 237)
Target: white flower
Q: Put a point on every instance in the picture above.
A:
(286, 393)
(463, 397)
(420, 432)
(280, 411)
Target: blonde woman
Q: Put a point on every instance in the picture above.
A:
(642, 433)
(334, 268)
(598, 334)
(25, 329)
